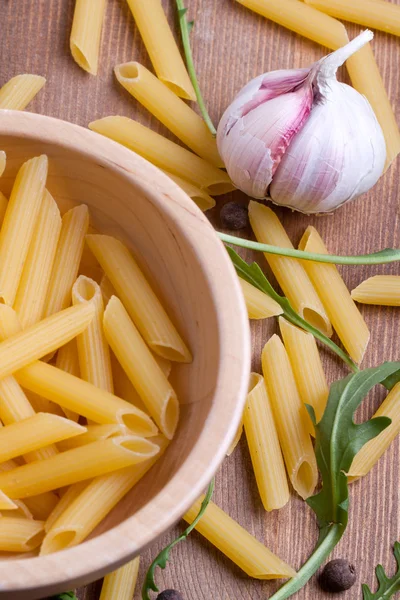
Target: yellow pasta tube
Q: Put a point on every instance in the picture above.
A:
(265, 452)
(3, 161)
(94, 503)
(290, 418)
(258, 304)
(43, 405)
(199, 197)
(18, 92)
(7, 504)
(86, 33)
(32, 290)
(35, 432)
(302, 19)
(124, 387)
(164, 154)
(142, 369)
(74, 227)
(238, 544)
(289, 273)
(383, 290)
(93, 434)
(66, 499)
(139, 299)
(37, 340)
(21, 511)
(20, 535)
(160, 44)
(236, 439)
(173, 112)
(121, 584)
(107, 289)
(67, 360)
(19, 224)
(371, 13)
(366, 79)
(93, 350)
(369, 454)
(3, 207)
(342, 311)
(307, 368)
(74, 393)
(76, 465)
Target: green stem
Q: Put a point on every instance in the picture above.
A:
(183, 24)
(320, 554)
(377, 258)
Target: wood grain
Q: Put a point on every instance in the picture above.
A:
(232, 45)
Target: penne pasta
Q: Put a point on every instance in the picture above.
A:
(7, 504)
(370, 13)
(32, 290)
(93, 350)
(74, 393)
(236, 439)
(173, 112)
(139, 299)
(37, 340)
(366, 79)
(290, 418)
(369, 454)
(121, 584)
(341, 309)
(18, 92)
(199, 197)
(93, 433)
(42, 405)
(160, 44)
(34, 433)
(258, 304)
(164, 154)
(237, 543)
(263, 442)
(3, 207)
(41, 505)
(74, 227)
(21, 511)
(67, 360)
(303, 19)
(123, 385)
(142, 369)
(383, 290)
(3, 161)
(66, 499)
(307, 368)
(94, 503)
(19, 224)
(20, 535)
(107, 289)
(290, 274)
(76, 465)
(86, 33)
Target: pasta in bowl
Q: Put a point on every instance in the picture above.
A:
(124, 355)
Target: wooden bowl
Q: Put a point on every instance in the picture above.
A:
(190, 269)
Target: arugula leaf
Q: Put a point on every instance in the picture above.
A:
(254, 275)
(162, 558)
(186, 27)
(338, 439)
(382, 257)
(388, 586)
(65, 596)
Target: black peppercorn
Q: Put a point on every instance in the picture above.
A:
(169, 595)
(337, 575)
(234, 216)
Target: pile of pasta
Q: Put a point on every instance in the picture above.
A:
(86, 406)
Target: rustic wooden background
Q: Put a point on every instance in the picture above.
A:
(231, 45)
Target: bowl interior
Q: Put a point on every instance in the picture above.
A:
(132, 200)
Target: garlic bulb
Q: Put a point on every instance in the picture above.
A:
(302, 138)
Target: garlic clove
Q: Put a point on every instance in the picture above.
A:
(338, 155)
(256, 142)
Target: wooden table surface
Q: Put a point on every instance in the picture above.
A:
(232, 45)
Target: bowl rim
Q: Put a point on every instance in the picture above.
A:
(93, 558)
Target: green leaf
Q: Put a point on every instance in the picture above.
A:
(186, 27)
(388, 586)
(163, 557)
(338, 439)
(382, 257)
(65, 596)
(254, 275)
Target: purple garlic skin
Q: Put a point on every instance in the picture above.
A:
(302, 138)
